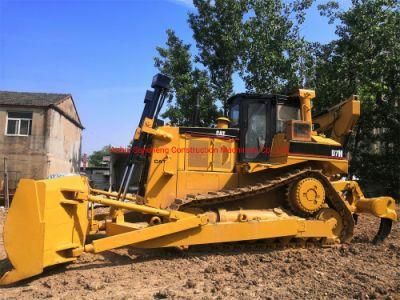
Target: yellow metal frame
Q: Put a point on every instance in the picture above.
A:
(381, 207)
(46, 221)
(42, 226)
(340, 119)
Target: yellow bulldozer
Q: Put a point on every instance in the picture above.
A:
(268, 171)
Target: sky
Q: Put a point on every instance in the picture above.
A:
(102, 53)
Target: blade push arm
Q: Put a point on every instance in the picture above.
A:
(153, 103)
(338, 121)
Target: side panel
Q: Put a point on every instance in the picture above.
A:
(224, 155)
(203, 182)
(162, 176)
(198, 154)
(189, 164)
(279, 149)
(209, 165)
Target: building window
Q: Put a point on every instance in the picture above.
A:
(19, 123)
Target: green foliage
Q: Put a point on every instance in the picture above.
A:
(261, 40)
(187, 84)
(365, 60)
(217, 29)
(96, 158)
(274, 55)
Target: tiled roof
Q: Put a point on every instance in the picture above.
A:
(38, 100)
(31, 99)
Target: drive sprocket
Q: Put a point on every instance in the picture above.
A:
(306, 196)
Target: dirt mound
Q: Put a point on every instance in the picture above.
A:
(242, 270)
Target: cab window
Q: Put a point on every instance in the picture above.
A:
(285, 113)
(234, 115)
(256, 130)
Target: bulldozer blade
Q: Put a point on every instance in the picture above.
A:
(383, 232)
(43, 225)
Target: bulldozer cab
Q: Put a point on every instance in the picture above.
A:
(259, 117)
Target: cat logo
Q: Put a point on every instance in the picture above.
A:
(160, 161)
(220, 132)
(337, 153)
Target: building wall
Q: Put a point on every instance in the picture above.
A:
(64, 143)
(26, 155)
(53, 148)
(68, 107)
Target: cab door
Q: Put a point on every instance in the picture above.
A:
(256, 130)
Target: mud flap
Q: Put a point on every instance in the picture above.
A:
(44, 225)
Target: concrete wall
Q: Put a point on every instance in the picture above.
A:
(26, 155)
(54, 146)
(64, 143)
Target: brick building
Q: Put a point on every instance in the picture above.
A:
(40, 135)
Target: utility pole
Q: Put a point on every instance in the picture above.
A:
(6, 194)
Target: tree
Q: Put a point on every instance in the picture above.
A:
(274, 56)
(217, 30)
(187, 84)
(96, 158)
(365, 60)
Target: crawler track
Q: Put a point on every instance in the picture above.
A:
(334, 200)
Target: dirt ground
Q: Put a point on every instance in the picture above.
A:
(357, 270)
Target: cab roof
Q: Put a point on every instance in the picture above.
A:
(283, 99)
